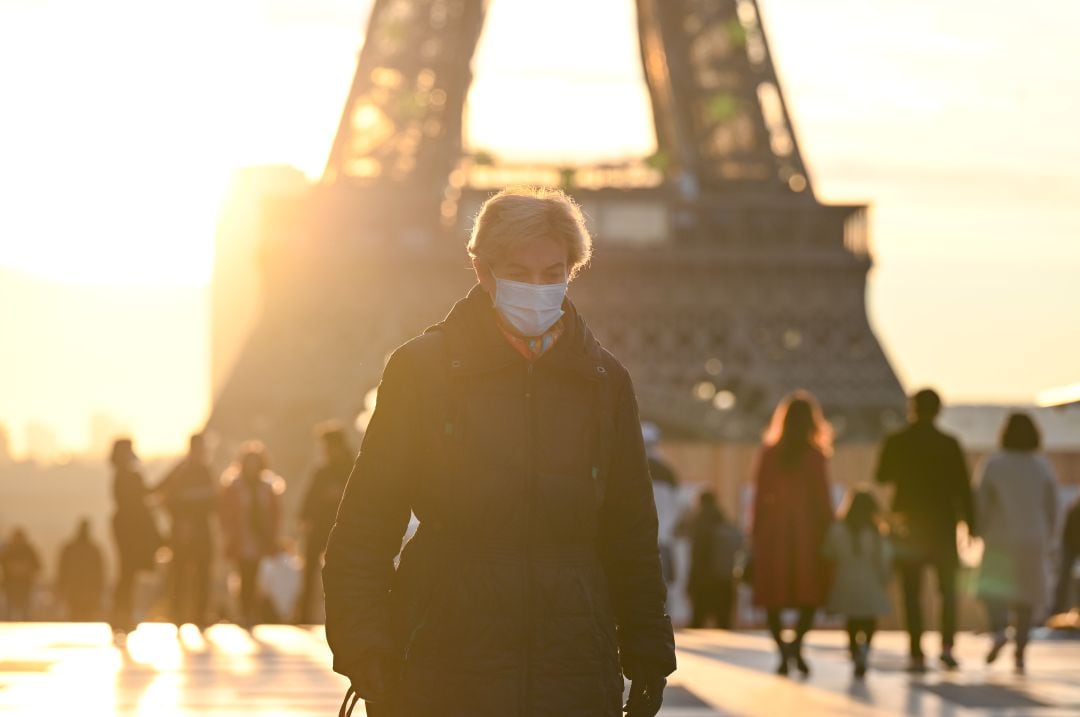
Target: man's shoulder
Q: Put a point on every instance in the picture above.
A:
(612, 365)
(425, 351)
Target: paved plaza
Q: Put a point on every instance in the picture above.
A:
(60, 669)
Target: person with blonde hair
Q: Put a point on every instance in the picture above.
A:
(533, 583)
(792, 513)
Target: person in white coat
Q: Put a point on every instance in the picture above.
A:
(668, 499)
(1016, 503)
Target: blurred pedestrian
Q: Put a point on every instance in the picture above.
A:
(190, 496)
(792, 513)
(318, 511)
(669, 504)
(1070, 553)
(80, 580)
(20, 565)
(1017, 508)
(862, 556)
(515, 439)
(715, 545)
(933, 494)
(136, 535)
(251, 522)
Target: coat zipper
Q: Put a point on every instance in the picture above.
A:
(528, 538)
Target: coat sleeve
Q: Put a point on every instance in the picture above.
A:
(961, 487)
(984, 493)
(629, 550)
(1050, 499)
(888, 468)
(371, 522)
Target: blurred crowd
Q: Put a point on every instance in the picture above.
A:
(180, 527)
(799, 556)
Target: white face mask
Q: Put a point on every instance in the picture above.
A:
(532, 309)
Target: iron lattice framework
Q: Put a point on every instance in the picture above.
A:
(720, 280)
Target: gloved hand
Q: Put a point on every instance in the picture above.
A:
(373, 678)
(646, 696)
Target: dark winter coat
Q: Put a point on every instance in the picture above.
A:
(321, 502)
(80, 580)
(933, 491)
(190, 494)
(136, 533)
(715, 545)
(792, 514)
(535, 567)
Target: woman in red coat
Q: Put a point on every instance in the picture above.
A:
(792, 513)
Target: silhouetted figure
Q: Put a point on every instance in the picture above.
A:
(862, 557)
(190, 495)
(1070, 553)
(251, 522)
(933, 494)
(136, 534)
(80, 580)
(319, 510)
(514, 437)
(20, 565)
(715, 545)
(669, 505)
(792, 513)
(1017, 508)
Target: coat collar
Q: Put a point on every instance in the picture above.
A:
(475, 343)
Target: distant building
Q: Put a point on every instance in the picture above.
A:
(42, 444)
(979, 426)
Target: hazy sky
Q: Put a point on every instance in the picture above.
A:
(123, 120)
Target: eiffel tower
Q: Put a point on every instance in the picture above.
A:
(719, 279)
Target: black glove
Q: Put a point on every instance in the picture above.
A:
(373, 678)
(646, 696)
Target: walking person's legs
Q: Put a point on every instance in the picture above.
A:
(124, 598)
(776, 629)
(179, 583)
(200, 584)
(946, 575)
(853, 636)
(860, 632)
(1024, 615)
(699, 609)
(725, 601)
(997, 615)
(802, 626)
(249, 572)
(911, 583)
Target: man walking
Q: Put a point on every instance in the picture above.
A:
(514, 438)
(933, 494)
(190, 495)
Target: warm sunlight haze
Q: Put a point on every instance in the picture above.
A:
(124, 123)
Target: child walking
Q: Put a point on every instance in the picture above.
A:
(862, 555)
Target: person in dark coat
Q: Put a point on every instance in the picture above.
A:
(250, 512)
(20, 565)
(319, 509)
(933, 494)
(190, 496)
(80, 580)
(715, 544)
(1070, 553)
(792, 514)
(136, 534)
(514, 438)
